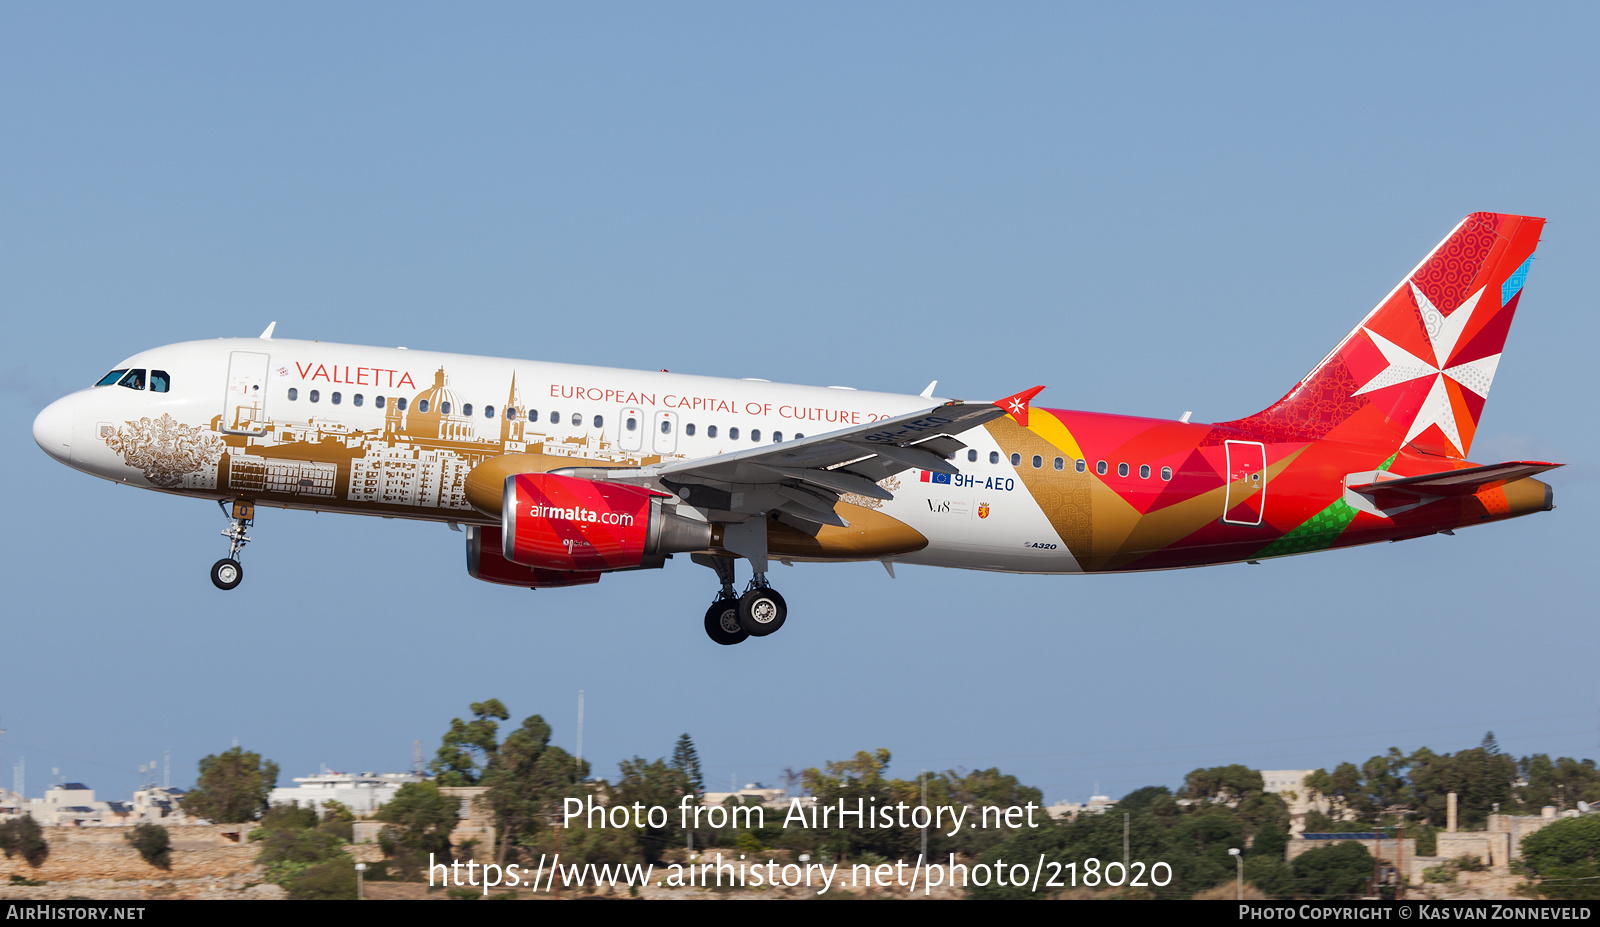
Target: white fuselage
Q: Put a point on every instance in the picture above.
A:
(394, 432)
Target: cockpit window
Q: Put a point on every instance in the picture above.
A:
(133, 380)
(111, 378)
(160, 382)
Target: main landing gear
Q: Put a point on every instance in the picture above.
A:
(731, 619)
(227, 573)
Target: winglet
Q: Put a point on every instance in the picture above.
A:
(928, 393)
(1017, 406)
(267, 335)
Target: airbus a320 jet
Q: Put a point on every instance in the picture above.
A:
(563, 473)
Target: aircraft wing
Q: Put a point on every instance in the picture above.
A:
(805, 479)
(1459, 482)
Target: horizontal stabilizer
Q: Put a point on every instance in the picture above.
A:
(1459, 482)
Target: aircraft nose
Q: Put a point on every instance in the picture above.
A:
(52, 429)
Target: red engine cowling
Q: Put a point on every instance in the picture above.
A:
(485, 562)
(568, 523)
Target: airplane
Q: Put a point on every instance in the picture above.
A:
(562, 473)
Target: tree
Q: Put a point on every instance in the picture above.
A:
(1565, 858)
(469, 746)
(22, 836)
(1343, 870)
(652, 784)
(233, 787)
(527, 781)
(423, 818)
(153, 843)
(1227, 784)
(687, 762)
(308, 861)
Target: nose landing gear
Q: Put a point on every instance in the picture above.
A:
(227, 573)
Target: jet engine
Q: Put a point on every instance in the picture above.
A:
(485, 562)
(568, 523)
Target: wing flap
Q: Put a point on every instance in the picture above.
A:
(851, 460)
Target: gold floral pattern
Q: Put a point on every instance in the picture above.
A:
(165, 449)
(892, 484)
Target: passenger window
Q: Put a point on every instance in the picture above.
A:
(577, 419)
(1144, 471)
(335, 398)
(1122, 469)
(1061, 464)
(633, 423)
(755, 434)
(422, 404)
(358, 400)
(1016, 460)
(444, 408)
(378, 402)
(133, 380)
(1100, 468)
(1166, 473)
(555, 418)
(160, 382)
(798, 436)
(711, 431)
(293, 394)
(316, 394)
(1080, 465)
(488, 411)
(111, 378)
(600, 422)
(777, 437)
(994, 457)
(401, 404)
(511, 414)
(733, 434)
(1038, 462)
(972, 456)
(666, 426)
(466, 409)
(533, 415)
(689, 429)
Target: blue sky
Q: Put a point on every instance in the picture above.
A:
(1151, 209)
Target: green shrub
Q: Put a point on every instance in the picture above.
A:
(23, 837)
(334, 880)
(1439, 875)
(153, 844)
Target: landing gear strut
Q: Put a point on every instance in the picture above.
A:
(732, 618)
(227, 573)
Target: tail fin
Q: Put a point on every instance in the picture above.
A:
(1418, 368)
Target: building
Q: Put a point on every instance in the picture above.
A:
(1097, 804)
(1290, 785)
(771, 798)
(362, 793)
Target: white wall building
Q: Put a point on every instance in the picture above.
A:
(362, 793)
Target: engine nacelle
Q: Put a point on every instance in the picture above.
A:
(485, 562)
(568, 523)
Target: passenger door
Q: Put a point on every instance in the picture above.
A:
(244, 408)
(1247, 483)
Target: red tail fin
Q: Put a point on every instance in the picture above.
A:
(1418, 368)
